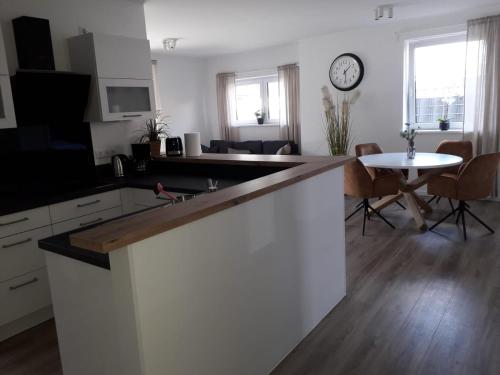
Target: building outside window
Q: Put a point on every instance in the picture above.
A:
(435, 81)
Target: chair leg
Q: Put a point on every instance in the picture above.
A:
(359, 207)
(451, 205)
(463, 224)
(443, 219)
(400, 205)
(430, 200)
(478, 220)
(365, 214)
(380, 216)
(438, 200)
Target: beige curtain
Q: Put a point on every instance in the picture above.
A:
(225, 99)
(482, 86)
(289, 92)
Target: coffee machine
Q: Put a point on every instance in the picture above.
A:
(141, 153)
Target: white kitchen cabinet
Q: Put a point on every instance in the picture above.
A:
(85, 205)
(7, 114)
(19, 254)
(4, 70)
(126, 99)
(84, 221)
(24, 221)
(24, 295)
(122, 86)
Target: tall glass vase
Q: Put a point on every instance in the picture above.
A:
(411, 151)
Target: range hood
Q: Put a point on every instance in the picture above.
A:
(49, 97)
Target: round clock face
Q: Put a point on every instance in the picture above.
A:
(346, 72)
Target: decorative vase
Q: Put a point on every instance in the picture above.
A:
(411, 151)
(444, 125)
(155, 148)
(260, 120)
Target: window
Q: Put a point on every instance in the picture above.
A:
(254, 94)
(435, 72)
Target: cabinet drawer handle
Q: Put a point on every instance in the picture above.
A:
(91, 222)
(33, 280)
(14, 222)
(80, 205)
(16, 243)
(138, 115)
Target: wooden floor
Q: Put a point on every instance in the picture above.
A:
(417, 303)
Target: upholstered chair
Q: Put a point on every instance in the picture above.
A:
(359, 183)
(457, 148)
(371, 149)
(475, 180)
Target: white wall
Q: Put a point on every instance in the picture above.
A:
(182, 84)
(117, 17)
(245, 62)
(378, 114)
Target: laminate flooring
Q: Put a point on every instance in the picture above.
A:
(417, 303)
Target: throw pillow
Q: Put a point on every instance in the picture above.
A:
(237, 151)
(285, 150)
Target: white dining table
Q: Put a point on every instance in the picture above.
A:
(433, 163)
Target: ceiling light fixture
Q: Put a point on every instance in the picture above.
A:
(380, 11)
(169, 44)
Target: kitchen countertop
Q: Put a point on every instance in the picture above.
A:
(124, 231)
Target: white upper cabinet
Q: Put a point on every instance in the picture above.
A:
(3, 58)
(7, 114)
(122, 86)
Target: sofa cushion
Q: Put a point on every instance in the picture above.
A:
(285, 150)
(255, 147)
(271, 147)
(219, 146)
(237, 151)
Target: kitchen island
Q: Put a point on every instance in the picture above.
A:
(227, 283)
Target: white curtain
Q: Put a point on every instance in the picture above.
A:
(482, 86)
(226, 97)
(289, 92)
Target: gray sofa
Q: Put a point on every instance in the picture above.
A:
(254, 147)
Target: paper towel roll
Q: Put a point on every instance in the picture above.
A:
(192, 144)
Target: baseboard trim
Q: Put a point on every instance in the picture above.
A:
(26, 322)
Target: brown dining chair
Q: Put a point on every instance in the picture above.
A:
(474, 181)
(371, 149)
(457, 148)
(358, 183)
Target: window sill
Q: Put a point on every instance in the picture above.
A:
(255, 125)
(438, 131)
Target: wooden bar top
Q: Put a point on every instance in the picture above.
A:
(127, 230)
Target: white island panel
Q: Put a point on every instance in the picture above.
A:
(235, 292)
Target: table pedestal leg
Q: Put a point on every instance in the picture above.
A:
(415, 210)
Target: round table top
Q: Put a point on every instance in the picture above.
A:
(399, 160)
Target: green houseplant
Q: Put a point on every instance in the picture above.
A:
(338, 122)
(155, 129)
(260, 115)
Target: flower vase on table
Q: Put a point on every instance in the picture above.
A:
(409, 134)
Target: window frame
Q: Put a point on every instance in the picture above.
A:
(263, 81)
(410, 102)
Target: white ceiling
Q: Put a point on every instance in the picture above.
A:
(213, 27)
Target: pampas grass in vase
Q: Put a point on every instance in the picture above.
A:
(338, 121)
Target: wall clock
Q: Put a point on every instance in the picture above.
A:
(346, 72)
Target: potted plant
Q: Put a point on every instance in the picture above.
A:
(153, 131)
(444, 123)
(260, 115)
(338, 122)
